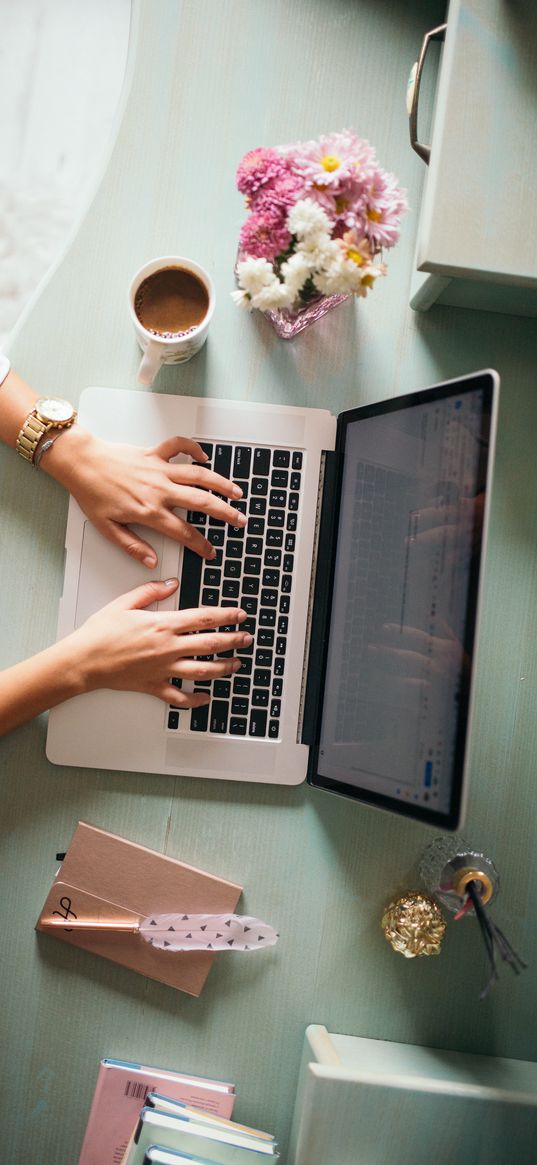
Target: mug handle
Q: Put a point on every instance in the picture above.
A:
(150, 364)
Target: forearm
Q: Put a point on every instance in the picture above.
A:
(39, 683)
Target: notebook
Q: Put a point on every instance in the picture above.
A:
(364, 622)
(186, 1135)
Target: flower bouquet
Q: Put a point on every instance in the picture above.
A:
(321, 213)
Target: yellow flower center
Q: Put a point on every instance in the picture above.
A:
(355, 256)
(330, 163)
(368, 281)
(374, 215)
(341, 204)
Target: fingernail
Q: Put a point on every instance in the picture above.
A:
(212, 553)
(236, 664)
(242, 615)
(237, 492)
(247, 639)
(241, 519)
(171, 582)
(149, 560)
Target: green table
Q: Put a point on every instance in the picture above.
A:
(205, 82)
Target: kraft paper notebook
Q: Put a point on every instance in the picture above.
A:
(106, 877)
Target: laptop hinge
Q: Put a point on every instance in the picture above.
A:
(318, 600)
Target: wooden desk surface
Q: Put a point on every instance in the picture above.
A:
(207, 81)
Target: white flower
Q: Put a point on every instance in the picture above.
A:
(295, 271)
(242, 299)
(307, 220)
(255, 274)
(272, 297)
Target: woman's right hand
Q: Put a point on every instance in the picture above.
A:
(130, 649)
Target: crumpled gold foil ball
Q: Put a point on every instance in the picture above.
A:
(413, 925)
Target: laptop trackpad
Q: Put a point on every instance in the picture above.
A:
(106, 571)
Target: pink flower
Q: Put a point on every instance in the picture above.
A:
(264, 236)
(332, 160)
(257, 167)
(385, 205)
(279, 194)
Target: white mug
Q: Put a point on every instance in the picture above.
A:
(178, 349)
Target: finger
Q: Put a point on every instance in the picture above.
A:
(194, 669)
(128, 541)
(149, 592)
(175, 445)
(183, 699)
(197, 475)
(207, 503)
(409, 636)
(205, 618)
(175, 527)
(212, 644)
(407, 663)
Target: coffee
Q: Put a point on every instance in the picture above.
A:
(171, 302)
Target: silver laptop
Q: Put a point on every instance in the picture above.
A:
(359, 570)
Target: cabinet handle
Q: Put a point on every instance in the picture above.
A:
(413, 92)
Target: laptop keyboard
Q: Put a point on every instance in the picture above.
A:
(253, 569)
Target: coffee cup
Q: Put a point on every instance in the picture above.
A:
(171, 303)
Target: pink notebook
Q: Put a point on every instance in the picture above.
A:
(119, 1095)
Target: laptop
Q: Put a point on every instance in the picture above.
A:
(359, 569)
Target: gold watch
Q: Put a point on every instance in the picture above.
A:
(48, 413)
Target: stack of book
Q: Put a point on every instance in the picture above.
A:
(151, 1116)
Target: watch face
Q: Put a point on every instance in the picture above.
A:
(52, 409)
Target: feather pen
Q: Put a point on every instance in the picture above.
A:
(184, 932)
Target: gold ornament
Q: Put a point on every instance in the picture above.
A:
(413, 925)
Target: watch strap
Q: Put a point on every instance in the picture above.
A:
(30, 436)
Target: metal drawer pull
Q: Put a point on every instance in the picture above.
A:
(413, 92)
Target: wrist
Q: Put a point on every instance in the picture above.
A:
(61, 458)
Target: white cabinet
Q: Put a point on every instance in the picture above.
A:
(477, 234)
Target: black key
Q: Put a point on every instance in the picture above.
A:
(291, 522)
(287, 582)
(288, 562)
(249, 625)
(246, 669)
(250, 586)
(259, 487)
(233, 548)
(258, 507)
(252, 565)
(230, 589)
(208, 449)
(173, 719)
(276, 517)
(293, 501)
(199, 718)
(277, 687)
(258, 722)
(221, 689)
(272, 557)
(269, 598)
(242, 461)
(217, 560)
(254, 545)
(297, 461)
(267, 618)
(241, 506)
(260, 697)
(205, 658)
(231, 602)
(265, 638)
(249, 604)
(283, 623)
(232, 569)
(279, 665)
(239, 706)
(279, 478)
(215, 521)
(280, 458)
(295, 480)
(275, 709)
(211, 577)
(222, 460)
(263, 657)
(196, 518)
(177, 682)
(262, 677)
(190, 580)
(237, 727)
(290, 540)
(285, 604)
(261, 462)
(273, 729)
(256, 525)
(241, 685)
(277, 498)
(217, 537)
(219, 715)
(210, 597)
(203, 686)
(274, 537)
(281, 645)
(270, 578)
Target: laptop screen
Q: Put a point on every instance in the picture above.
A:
(404, 599)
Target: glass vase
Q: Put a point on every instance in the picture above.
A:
(289, 321)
